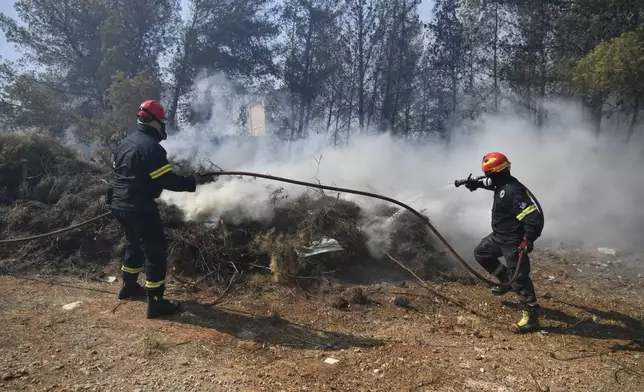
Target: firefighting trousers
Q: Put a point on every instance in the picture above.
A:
(145, 241)
(487, 254)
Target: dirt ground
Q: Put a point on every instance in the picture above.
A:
(266, 337)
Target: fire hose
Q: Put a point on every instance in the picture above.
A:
(318, 186)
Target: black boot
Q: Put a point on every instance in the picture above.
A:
(130, 287)
(503, 278)
(158, 306)
(529, 321)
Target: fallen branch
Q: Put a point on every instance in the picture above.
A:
(553, 355)
(624, 369)
(424, 284)
(117, 306)
(225, 292)
(438, 294)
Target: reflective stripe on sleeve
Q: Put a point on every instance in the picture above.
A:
(161, 171)
(529, 210)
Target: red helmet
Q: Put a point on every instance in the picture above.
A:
(495, 162)
(152, 109)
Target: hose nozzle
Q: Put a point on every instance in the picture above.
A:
(469, 178)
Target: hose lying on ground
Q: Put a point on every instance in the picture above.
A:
(55, 232)
(318, 186)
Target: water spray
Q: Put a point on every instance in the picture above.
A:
(329, 188)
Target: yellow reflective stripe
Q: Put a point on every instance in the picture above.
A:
(132, 270)
(154, 285)
(114, 165)
(161, 171)
(526, 212)
(500, 167)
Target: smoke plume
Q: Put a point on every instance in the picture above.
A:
(589, 187)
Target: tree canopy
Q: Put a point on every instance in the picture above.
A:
(321, 66)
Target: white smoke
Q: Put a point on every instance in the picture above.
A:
(589, 188)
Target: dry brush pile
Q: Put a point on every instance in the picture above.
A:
(45, 186)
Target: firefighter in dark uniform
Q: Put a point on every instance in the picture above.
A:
(517, 221)
(141, 173)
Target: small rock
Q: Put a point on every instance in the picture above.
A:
(547, 295)
(73, 305)
(338, 302)
(7, 377)
(482, 370)
(464, 365)
(354, 296)
(138, 390)
(376, 371)
(184, 363)
(58, 367)
(401, 302)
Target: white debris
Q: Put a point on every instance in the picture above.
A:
(72, 305)
(109, 279)
(331, 361)
(325, 245)
(607, 251)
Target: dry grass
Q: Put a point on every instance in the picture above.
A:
(45, 186)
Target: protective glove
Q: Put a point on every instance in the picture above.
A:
(527, 245)
(473, 185)
(201, 179)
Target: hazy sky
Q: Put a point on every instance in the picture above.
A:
(7, 50)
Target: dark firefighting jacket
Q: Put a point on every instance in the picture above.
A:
(515, 212)
(142, 172)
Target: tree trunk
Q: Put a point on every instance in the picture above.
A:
(496, 57)
(596, 112)
(174, 104)
(633, 124)
(306, 78)
(337, 128)
(361, 67)
(331, 104)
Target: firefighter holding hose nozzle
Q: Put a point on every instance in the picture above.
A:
(141, 173)
(517, 221)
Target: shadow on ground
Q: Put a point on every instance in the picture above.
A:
(595, 324)
(268, 329)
